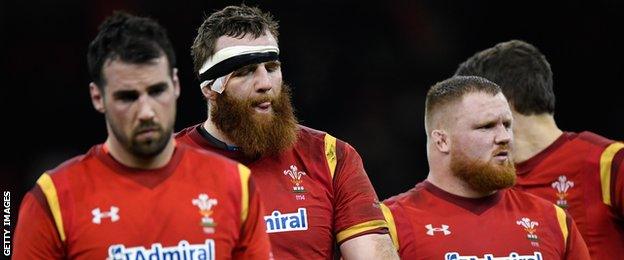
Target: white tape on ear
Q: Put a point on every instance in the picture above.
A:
(218, 85)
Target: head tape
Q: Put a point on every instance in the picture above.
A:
(218, 68)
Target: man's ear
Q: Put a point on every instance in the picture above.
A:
(97, 97)
(176, 82)
(209, 94)
(441, 140)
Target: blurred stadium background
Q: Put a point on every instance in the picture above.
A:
(359, 70)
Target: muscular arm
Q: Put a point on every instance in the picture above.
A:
(362, 232)
(371, 246)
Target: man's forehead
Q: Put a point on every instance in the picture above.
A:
(248, 39)
(481, 104)
(128, 75)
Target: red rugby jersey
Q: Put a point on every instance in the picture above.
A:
(199, 206)
(584, 174)
(316, 194)
(430, 223)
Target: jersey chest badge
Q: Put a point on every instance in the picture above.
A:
(205, 205)
(530, 227)
(562, 185)
(296, 179)
(98, 215)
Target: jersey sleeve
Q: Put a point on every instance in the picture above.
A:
(356, 206)
(36, 236)
(617, 182)
(254, 241)
(401, 230)
(576, 249)
(611, 179)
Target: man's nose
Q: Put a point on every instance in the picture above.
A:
(146, 108)
(504, 135)
(262, 80)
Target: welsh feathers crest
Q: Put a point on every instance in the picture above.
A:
(295, 178)
(530, 227)
(205, 205)
(562, 185)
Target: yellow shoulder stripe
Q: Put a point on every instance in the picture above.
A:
(360, 228)
(563, 224)
(47, 186)
(244, 178)
(391, 225)
(605, 170)
(330, 153)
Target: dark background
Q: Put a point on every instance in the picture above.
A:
(360, 71)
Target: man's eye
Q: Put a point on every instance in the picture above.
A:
(271, 67)
(127, 97)
(157, 90)
(242, 72)
(486, 126)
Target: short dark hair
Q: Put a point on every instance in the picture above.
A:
(131, 39)
(522, 72)
(233, 21)
(454, 89)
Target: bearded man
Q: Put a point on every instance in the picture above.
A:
(139, 195)
(317, 195)
(465, 209)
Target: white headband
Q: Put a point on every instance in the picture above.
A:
(225, 61)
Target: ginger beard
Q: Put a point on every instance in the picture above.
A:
(257, 134)
(483, 177)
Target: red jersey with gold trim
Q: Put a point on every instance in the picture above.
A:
(199, 206)
(316, 194)
(584, 174)
(430, 223)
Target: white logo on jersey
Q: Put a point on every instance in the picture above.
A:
(183, 250)
(512, 256)
(278, 222)
(530, 227)
(562, 185)
(205, 204)
(295, 177)
(443, 229)
(98, 215)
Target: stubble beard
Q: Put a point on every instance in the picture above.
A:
(144, 149)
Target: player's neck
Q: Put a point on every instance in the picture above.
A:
(453, 185)
(532, 134)
(125, 157)
(212, 129)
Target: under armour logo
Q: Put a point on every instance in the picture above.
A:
(98, 215)
(443, 229)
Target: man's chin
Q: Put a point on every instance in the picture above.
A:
(263, 117)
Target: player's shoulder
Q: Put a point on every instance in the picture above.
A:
(593, 140)
(309, 135)
(202, 157)
(528, 201)
(75, 164)
(186, 131)
(305, 132)
(397, 200)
